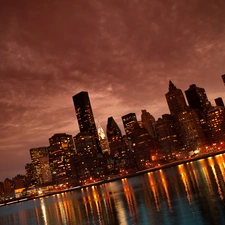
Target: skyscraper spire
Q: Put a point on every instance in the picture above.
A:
(175, 100)
(101, 133)
(171, 86)
(102, 139)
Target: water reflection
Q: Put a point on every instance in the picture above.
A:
(188, 193)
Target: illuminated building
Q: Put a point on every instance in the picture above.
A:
(148, 122)
(141, 146)
(85, 144)
(61, 155)
(88, 161)
(40, 161)
(168, 139)
(192, 135)
(31, 174)
(197, 99)
(216, 123)
(175, 100)
(129, 123)
(138, 139)
(103, 140)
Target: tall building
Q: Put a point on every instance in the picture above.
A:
(86, 163)
(197, 98)
(219, 102)
(148, 122)
(190, 129)
(40, 161)
(61, 156)
(84, 113)
(167, 133)
(129, 123)
(115, 137)
(175, 100)
(138, 140)
(104, 144)
(216, 123)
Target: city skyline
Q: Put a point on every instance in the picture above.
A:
(122, 54)
(122, 127)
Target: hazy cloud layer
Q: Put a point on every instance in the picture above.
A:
(122, 52)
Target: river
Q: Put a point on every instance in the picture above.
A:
(188, 194)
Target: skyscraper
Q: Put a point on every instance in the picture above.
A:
(115, 139)
(175, 100)
(129, 123)
(190, 129)
(61, 153)
(219, 102)
(169, 144)
(148, 123)
(197, 98)
(84, 113)
(103, 140)
(216, 123)
(40, 161)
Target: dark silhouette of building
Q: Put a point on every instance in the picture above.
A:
(139, 142)
(84, 113)
(129, 123)
(175, 100)
(197, 98)
(167, 133)
(148, 122)
(223, 78)
(85, 116)
(219, 102)
(87, 161)
(114, 136)
(190, 129)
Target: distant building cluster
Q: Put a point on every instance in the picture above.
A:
(92, 155)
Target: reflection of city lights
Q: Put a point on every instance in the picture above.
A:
(185, 182)
(43, 209)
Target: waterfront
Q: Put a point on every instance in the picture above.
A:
(192, 192)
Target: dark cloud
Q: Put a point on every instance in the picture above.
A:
(122, 52)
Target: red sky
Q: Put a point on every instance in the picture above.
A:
(122, 52)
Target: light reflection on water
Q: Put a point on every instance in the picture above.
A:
(191, 193)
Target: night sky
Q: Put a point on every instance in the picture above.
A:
(122, 52)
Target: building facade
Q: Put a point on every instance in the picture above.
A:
(61, 157)
(175, 100)
(40, 160)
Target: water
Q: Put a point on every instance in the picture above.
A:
(188, 194)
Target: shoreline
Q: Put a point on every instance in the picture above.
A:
(168, 165)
